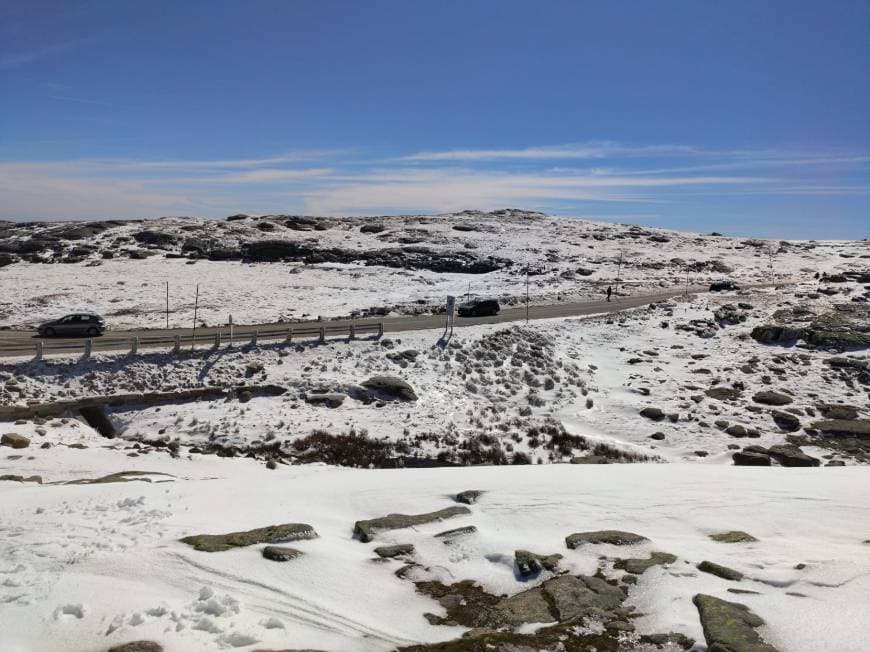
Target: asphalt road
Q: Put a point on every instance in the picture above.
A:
(18, 343)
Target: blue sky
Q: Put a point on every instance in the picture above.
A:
(742, 117)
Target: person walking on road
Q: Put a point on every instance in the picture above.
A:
(609, 292)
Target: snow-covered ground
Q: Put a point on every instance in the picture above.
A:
(495, 384)
(85, 567)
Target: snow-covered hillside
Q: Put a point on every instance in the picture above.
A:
(308, 267)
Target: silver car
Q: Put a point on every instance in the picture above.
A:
(83, 323)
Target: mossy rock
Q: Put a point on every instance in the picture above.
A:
(639, 566)
(720, 571)
(846, 427)
(469, 497)
(367, 529)
(280, 553)
(398, 550)
(270, 534)
(613, 537)
(723, 393)
(768, 397)
(653, 413)
(137, 646)
(733, 536)
(729, 626)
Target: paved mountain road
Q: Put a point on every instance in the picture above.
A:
(19, 342)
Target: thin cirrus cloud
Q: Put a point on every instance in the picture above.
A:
(595, 150)
(344, 181)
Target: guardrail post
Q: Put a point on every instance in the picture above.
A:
(352, 332)
(289, 338)
(176, 348)
(89, 344)
(254, 338)
(134, 345)
(40, 351)
(217, 340)
(322, 334)
(380, 329)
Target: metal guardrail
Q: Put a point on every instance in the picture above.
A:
(177, 343)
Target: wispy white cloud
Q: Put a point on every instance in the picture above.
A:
(595, 150)
(454, 189)
(261, 176)
(341, 182)
(240, 163)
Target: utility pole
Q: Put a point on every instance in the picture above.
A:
(687, 281)
(618, 272)
(527, 290)
(771, 252)
(195, 309)
(167, 304)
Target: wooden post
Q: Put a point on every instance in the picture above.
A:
(89, 343)
(176, 348)
(618, 272)
(380, 329)
(322, 334)
(217, 340)
(195, 309)
(254, 338)
(289, 338)
(167, 305)
(134, 345)
(527, 290)
(40, 351)
(352, 331)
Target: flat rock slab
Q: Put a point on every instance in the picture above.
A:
(468, 497)
(366, 530)
(733, 536)
(639, 566)
(398, 550)
(137, 646)
(729, 626)
(847, 427)
(720, 571)
(270, 534)
(789, 455)
(577, 596)
(527, 607)
(747, 458)
(528, 563)
(450, 535)
(768, 397)
(280, 553)
(613, 537)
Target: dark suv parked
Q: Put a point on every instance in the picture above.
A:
(479, 308)
(82, 323)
